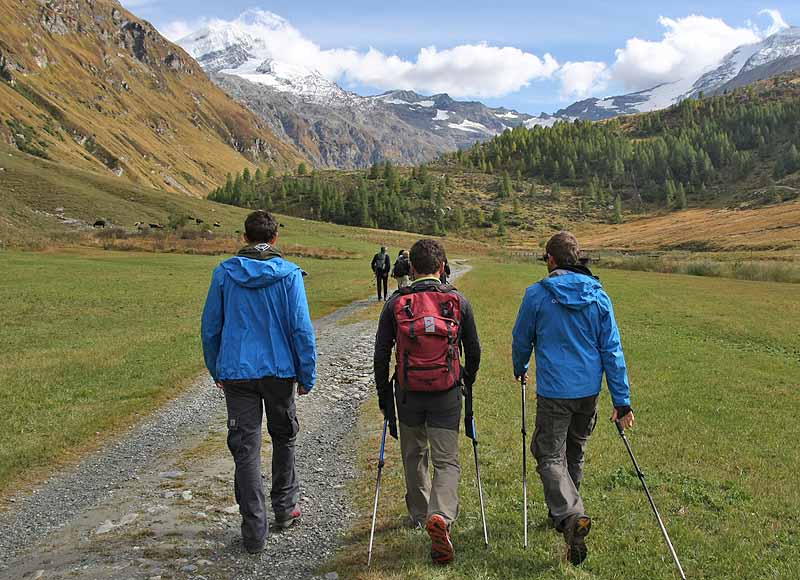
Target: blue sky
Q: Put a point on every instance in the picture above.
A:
(585, 36)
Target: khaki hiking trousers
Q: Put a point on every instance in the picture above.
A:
(429, 432)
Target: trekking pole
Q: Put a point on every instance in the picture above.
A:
(523, 384)
(650, 499)
(477, 466)
(377, 491)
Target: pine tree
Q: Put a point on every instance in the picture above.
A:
(301, 169)
(680, 197)
(617, 219)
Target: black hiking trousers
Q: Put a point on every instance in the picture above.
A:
(382, 279)
(246, 402)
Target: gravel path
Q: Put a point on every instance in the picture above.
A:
(157, 503)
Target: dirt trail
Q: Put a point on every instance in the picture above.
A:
(157, 503)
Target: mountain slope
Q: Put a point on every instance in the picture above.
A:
(91, 85)
(332, 126)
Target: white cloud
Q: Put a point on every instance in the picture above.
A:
(177, 29)
(778, 23)
(581, 79)
(478, 70)
(689, 46)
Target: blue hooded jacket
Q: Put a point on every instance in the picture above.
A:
(256, 322)
(569, 320)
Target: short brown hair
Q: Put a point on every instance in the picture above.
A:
(260, 227)
(427, 256)
(564, 248)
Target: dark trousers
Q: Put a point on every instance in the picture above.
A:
(563, 428)
(247, 401)
(382, 280)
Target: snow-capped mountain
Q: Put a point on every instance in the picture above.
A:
(332, 126)
(783, 46)
(242, 48)
(746, 64)
(443, 113)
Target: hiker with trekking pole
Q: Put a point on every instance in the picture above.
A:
(428, 324)
(568, 320)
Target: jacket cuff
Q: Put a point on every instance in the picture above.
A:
(622, 410)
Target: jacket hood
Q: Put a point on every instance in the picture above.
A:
(258, 273)
(573, 290)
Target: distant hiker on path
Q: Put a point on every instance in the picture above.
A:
(401, 271)
(568, 320)
(258, 341)
(381, 265)
(429, 323)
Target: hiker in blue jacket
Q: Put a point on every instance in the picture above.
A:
(568, 320)
(258, 341)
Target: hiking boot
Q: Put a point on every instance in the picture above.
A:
(285, 520)
(576, 528)
(442, 551)
(257, 549)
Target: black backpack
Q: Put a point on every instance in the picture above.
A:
(401, 268)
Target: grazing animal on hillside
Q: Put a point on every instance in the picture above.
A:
(156, 226)
(101, 223)
(198, 221)
(217, 225)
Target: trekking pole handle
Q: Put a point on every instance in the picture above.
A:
(383, 442)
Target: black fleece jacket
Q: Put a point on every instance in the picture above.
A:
(387, 332)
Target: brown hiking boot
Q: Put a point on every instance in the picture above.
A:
(442, 551)
(576, 528)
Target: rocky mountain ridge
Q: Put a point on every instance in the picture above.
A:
(332, 126)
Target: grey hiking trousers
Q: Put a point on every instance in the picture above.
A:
(563, 428)
(247, 401)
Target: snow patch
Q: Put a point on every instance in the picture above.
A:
(424, 103)
(471, 127)
(541, 122)
(508, 115)
(441, 115)
(606, 103)
(397, 102)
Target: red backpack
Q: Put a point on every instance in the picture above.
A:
(428, 335)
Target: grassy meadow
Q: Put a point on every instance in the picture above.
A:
(715, 369)
(92, 339)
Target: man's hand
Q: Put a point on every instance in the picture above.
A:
(523, 377)
(219, 385)
(626, 422)
(301, 390)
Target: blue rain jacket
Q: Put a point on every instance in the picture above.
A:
(569, 321)
(256, 322)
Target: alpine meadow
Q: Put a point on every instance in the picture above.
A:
(451, 291)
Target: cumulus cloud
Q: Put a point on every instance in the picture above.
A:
(778, 23)
(581, 79)
(177, 29)
(689, 46)
(478, 70)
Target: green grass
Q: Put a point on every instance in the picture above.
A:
(715, 368)
(91, 339)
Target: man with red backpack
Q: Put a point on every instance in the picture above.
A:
(429, 323)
